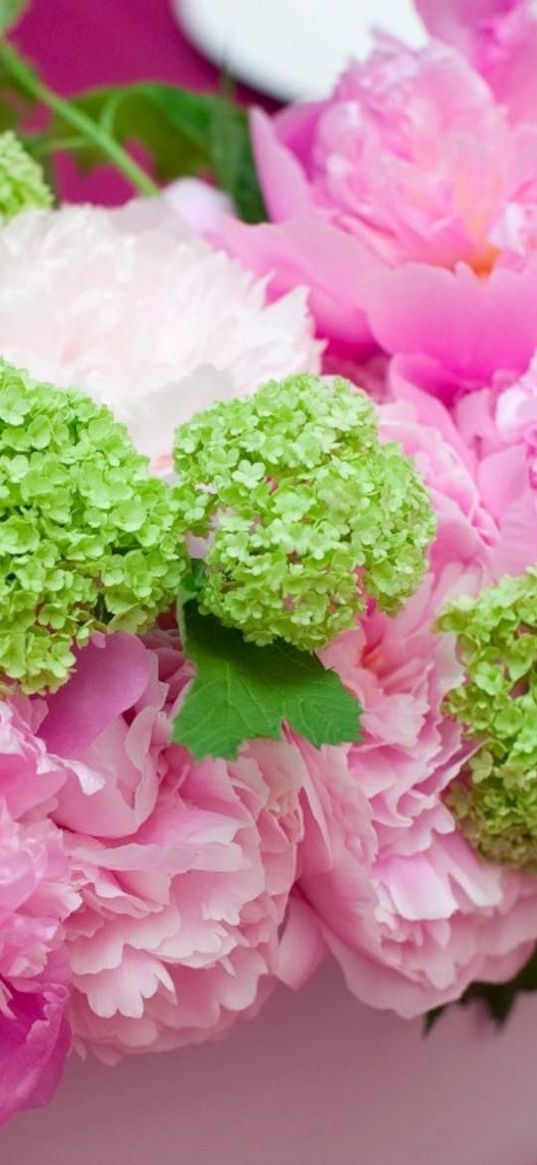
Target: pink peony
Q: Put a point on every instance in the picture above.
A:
(411, 156)
(492, 421)
(500, 39)
(394, 200)
(409, 911)
(35, 899)
(456, 321)
(184, 870)
(142, 314)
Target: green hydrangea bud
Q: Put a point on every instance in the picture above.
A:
(88, 539)
(495, 801)
(22, 184)
(305, 512)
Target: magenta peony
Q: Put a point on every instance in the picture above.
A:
(35, 899)
(184, 870)
(134, 309)
(411, 913)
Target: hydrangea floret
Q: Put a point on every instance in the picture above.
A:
(495, 801)
(22, 184)
(88, 539)
(305, 514)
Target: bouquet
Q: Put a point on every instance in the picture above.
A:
(268, 548)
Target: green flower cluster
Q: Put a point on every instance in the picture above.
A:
(496, 800)
(22, 184)
(88, 539)
(304, 511)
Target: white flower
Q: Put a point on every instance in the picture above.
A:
(139, 312)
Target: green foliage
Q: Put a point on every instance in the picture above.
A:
(179, 131)
(305, 512)
(241, 692)
(22, 184)
(496, 801)
(88, 539)
(182, 132)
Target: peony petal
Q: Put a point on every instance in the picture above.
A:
(500, 39)
(285, 188)
(110, 677)
(463, 324)
(302, 947)
(330, 264)
(34, 1042)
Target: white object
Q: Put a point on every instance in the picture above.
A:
(292, 49)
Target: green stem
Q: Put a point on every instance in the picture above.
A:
(27, 81)
(41, 145)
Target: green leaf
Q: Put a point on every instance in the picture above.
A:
(184, 133)
(242, 691)
(10, 12)
(232, 160)
(499, 998)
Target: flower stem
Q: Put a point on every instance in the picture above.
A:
(26, 80)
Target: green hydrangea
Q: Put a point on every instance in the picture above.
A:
(496, 800)
(88, 539)
(304, 511)
(22, 184)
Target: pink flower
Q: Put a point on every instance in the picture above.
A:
(409, 911)
(500, 39)
(492, 422)
(34, 1041)
(142, 314)
(410, 155)
(184, 869)
(394, 200)
(35, 898)
(455, 321)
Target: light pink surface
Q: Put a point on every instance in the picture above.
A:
(316, 1080)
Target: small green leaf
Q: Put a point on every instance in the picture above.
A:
(232, 160)
(10, 12)
(242, 691)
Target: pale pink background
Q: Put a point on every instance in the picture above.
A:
(317, 1079)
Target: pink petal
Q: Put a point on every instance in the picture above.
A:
(457, 318)
(302, 947)
(34, 1042)
(316, 255)
(286, 190)
(95, 694)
